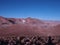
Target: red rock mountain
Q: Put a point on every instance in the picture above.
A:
(28, 27)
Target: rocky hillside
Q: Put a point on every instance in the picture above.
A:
(28, 27)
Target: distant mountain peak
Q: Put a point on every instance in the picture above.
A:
(2, 17)
(28, 20)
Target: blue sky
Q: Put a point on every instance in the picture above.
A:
(42, 9)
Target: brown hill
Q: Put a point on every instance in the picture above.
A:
(28, 27)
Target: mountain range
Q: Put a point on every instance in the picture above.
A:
(28, 27)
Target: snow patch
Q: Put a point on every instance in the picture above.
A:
(23, 21)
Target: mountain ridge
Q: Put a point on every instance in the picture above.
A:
(28, 26)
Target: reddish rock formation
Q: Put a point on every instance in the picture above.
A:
(28, 27)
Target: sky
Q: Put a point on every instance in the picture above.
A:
(41, 9)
